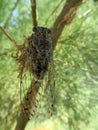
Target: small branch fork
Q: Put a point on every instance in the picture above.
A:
(34, 21)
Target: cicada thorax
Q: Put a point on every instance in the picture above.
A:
(40, 51)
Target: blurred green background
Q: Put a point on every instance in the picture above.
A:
(76, 81)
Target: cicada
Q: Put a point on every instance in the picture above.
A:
(36, 72)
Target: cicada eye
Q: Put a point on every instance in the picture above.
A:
(35, 29)
(49, 31)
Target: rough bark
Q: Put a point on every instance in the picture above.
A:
(65, 17)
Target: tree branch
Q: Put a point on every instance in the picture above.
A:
(65, 17)
(8, 36)
(33, 12)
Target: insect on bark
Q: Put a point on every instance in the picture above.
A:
(36, 57)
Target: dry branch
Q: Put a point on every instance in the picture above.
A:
(33, 12)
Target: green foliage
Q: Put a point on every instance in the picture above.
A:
(75, 60)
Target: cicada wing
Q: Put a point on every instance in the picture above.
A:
(29, 96)
(27, 104)
(48, 92)
(50, 88)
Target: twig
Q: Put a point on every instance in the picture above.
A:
(64, 62)
(8, 36)
(33, 12)
(9, 16)
(53, 11)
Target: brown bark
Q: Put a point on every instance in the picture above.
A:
(66, 16)
(33, 12)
